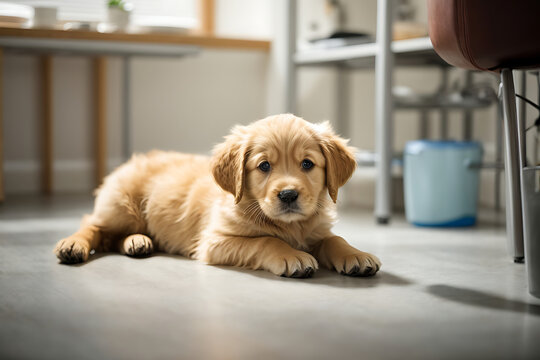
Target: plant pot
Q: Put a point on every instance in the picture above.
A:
(118, 18)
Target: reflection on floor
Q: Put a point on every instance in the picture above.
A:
(441, 294)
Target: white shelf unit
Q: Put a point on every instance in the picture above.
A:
(382, 55)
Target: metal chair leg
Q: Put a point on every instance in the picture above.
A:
(384, 61)
(498, 155)
(514, 218)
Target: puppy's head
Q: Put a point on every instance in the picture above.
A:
(283, 164)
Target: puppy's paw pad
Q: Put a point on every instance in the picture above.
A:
(72, 251)
(138, 245)
(355, 271)
(302, 273)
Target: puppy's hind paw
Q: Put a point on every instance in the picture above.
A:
(137, 245)
(72, 250)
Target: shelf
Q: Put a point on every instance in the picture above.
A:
(414, 52)
(320, 56)
(94, 47)
(431, 103)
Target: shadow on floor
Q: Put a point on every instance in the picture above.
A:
(483, 300)
(332, 278)
(99, 255)
(91, 258)
(324, 277)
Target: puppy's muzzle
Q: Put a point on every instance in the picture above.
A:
(288, 196)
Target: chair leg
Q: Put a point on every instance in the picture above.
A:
(513, 164)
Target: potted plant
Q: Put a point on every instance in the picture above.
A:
(119, 13)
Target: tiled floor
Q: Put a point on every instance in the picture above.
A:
(441, 294)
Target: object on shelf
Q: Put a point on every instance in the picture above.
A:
(45, 17)
(80, 26)
(163, 24)
(119, 14)
(342, 38)
(153, 24)
(405, 26)
(408, 30)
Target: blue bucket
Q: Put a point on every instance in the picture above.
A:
(441, 182)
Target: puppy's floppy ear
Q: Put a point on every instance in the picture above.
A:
(228, 162)
(340, 159)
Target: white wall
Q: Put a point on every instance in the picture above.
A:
(189, 105)
(72, 127)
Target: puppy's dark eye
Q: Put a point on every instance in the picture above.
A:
(307, 164)
(264, 166)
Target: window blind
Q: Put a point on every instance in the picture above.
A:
(96, 10)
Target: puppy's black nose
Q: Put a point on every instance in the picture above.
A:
(288, 196)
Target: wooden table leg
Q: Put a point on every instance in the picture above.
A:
(47, 125)
(100, 97)
(207, 16)
(2, 196)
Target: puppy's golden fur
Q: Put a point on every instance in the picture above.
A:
(230, 209)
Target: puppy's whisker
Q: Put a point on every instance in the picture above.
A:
(253, 211)
(251, 214)
(250, 207)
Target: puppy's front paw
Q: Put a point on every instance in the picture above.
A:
(72, 250)
(297, 264)
(357, 264)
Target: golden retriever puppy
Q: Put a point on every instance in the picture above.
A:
(265, 200)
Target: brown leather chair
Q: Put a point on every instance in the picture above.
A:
(496, 36)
